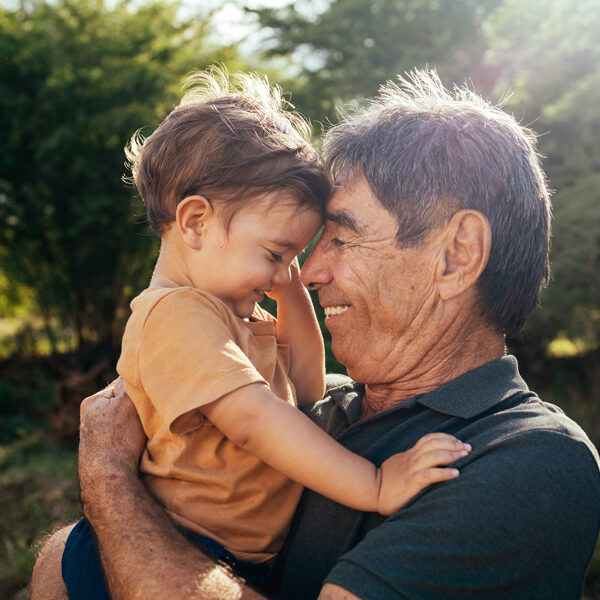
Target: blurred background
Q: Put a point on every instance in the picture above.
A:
(78, 77)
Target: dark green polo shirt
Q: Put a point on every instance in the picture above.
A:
(520, 522)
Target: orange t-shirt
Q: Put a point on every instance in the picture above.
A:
(182, 349)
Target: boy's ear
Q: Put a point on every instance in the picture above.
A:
(192, 217)
(466, 245)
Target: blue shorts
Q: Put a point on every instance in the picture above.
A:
(83, 576)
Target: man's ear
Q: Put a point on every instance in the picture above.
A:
(192, 217)
(466, 247)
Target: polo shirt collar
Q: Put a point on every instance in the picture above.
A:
(467, 396)
(476, 391)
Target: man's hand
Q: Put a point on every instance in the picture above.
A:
(110, 434)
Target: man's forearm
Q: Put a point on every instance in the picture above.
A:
(144, 555)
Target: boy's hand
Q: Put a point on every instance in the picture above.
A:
(280, 291)
(406, 474)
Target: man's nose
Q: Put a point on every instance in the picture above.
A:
(315, 271)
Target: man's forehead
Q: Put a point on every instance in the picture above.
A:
(348, 202)
(344, 196)
(352, 184)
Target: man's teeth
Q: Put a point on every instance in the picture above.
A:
(330, 311)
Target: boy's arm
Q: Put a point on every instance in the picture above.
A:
(297, 326)
(254, 419)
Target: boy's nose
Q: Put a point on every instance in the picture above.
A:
(283, 275)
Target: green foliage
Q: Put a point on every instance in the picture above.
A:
(549, 55)
(78, 78)
(349, 49)
(24, 408)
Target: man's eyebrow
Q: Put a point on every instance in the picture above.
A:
(345, 220)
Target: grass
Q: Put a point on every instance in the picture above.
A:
(38, 492)
(38, 484)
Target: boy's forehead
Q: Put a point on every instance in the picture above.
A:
(280, 198)
(279, 205)
(293, 228)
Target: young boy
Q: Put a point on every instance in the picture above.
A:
(235, 191)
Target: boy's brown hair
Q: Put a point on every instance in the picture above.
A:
(230, 140)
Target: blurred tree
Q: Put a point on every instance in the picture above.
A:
(77, 78)
(549, 55)
(349, 48)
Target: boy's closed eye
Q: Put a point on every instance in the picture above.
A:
(276, 257)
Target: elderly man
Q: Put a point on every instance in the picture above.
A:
(434, 249)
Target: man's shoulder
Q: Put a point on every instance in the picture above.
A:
(525, 421)
(530, 451)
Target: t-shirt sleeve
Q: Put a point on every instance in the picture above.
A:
(506, 528)
(262, 314)
(188, 358)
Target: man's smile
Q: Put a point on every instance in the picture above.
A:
(331, 311)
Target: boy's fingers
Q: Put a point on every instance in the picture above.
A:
(432, 436)
(438, 457)
(435, 475)
(440, 442)
(436, 436)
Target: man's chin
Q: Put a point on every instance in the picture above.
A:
(342, 356)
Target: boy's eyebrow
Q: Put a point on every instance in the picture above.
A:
(345, 220)
(283, 243)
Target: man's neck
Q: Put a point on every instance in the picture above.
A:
(432, 372)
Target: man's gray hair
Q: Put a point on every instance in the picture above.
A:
(427, 153)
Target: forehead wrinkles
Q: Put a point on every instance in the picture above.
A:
(346, 219)
(355, 208)
(377, 237)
